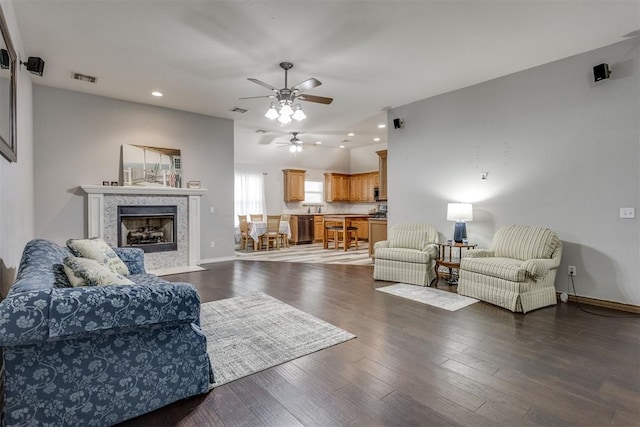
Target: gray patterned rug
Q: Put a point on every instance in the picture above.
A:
(250, 333)
(437, 298)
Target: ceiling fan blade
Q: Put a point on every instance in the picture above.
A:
(313, 98)
(263, 84)
(306, 85)
(253, 97)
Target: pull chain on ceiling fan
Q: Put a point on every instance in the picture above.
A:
(283, 108)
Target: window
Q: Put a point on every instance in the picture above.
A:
(313, 192)
(249, 195)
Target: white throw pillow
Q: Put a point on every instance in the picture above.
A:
(98, 250)
(89, 272)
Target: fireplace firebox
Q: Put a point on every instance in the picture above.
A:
(150, 228)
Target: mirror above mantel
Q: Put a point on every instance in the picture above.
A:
(8, 61)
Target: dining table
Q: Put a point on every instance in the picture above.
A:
(345, 221)
(258, 228)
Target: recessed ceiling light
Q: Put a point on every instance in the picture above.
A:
(342, 146)
(156, 93)
(318, 142)
(376, 139)
(382, 126)
(351, 134)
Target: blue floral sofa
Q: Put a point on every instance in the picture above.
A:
(97, 355)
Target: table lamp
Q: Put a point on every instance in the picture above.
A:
(459, 212)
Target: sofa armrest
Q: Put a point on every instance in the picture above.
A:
(480, 253)
(133, 259)
(537, 268)
(64, 313)
(381, 244)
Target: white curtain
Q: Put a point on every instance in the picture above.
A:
(249, 194)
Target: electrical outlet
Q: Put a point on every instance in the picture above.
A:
(572, 270)
(213, 244)
(627, 213)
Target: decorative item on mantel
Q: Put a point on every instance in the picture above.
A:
(151, 166)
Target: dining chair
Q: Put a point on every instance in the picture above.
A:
(272, 235)
(244, 233)
(283, 236)
(256, 217)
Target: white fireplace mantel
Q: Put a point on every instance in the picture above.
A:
(96, 208)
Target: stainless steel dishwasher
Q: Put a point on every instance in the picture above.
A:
(305, 229)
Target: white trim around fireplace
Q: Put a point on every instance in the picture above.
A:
(96, 211)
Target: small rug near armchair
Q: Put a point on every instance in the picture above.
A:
(250, 333)
(437, 298)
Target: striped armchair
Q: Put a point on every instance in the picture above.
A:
(517, 273)
(408, 256)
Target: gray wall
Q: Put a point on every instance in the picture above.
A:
(561, 150)
(16, 179)
(77, 140)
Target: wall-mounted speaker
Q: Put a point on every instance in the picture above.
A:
(601, 72)
(4, 59)
(398, 123)
(35, 65)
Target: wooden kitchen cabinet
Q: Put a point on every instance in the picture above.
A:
(377, 232)
(361, 186)
(293, 185)
(363, 228)
(318, 228)
(336, 187)
(382, 157)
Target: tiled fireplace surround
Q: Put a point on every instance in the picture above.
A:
(102, 210)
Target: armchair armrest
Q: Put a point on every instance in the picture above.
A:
(433, 250)
(381, 244)
(480, 253)
(537, 268)
(133, 259)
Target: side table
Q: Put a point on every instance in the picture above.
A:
(449, 260)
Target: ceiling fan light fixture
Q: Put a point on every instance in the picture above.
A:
(272, 113)
(284, 119)
(298, 148)
(286, 109)
(299, 114)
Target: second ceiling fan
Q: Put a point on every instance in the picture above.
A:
(283, 106)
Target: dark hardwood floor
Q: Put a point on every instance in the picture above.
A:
(416, 365)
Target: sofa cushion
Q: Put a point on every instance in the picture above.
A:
(89, 272)
(403, 255)
(97, 249)
(408, 239)
(524, 242)
(504, 268)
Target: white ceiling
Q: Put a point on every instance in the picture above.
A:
(369, 55)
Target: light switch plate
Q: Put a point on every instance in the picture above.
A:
(627, 212)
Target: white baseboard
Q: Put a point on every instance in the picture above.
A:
(214, 260)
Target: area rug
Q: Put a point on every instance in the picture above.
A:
(250, 333)
(441, 299)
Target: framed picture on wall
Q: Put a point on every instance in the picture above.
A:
(151, 166)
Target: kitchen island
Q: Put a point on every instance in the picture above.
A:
(345, 221)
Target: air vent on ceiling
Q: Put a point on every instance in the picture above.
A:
(239, 110)
(83, 77)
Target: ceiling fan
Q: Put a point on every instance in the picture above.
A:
(295, 144)
(287, 96)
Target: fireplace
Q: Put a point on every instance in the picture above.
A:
(150, 228)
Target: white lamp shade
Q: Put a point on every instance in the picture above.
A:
(272, 113)
(459, 212)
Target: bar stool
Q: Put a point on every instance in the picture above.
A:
(352, 232)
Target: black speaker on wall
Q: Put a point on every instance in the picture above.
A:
(398, 123)
(4, 59)
(601, 72)
(35, 65)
